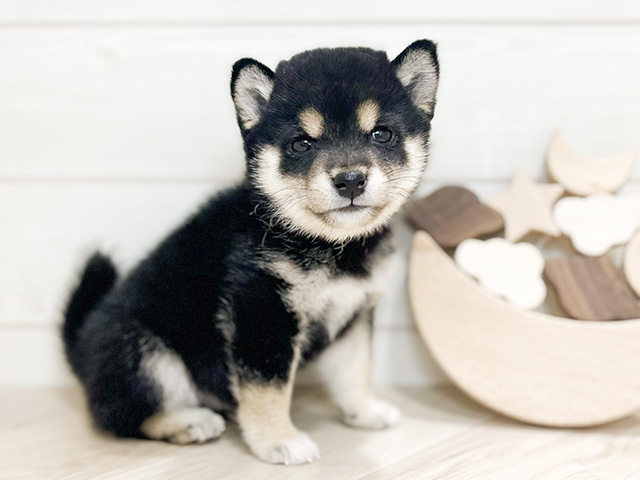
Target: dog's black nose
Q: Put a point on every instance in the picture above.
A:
(350, 184)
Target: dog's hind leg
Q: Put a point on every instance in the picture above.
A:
(136, 386)
(180, 418)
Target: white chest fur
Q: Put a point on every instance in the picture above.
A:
(319, 295)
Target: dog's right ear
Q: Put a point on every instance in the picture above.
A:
(251, 87)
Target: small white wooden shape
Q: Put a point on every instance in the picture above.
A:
(527, 365)
(510, 270)
(526, 207)
(631, 263)
(583, 176)
(598, 222)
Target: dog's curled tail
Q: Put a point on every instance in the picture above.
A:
(97, 279)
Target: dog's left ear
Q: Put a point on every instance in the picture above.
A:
(418, 70)
(251, 87)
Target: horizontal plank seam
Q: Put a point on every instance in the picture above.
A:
(213, 181)
(299, 22)
(55, 326)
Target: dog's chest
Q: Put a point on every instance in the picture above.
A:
(322, 295)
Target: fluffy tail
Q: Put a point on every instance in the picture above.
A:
(97, 279)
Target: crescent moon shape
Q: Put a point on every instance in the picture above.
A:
(530, 366)
(583, 176)
(631, 263)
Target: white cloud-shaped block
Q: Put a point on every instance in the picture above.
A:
(510, 270)
(598, 222)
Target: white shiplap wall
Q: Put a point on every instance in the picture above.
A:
(116, 121)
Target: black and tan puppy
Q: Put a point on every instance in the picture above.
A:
(283, 270)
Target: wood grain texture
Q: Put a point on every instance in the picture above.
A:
(452, 214)
(582, 175)
(132, 95)
(526, 207)
(332, 11)
(33, 356)
(136, 102)
(632, 263)
(45, 433)
(498, 450)
(56, 440)
(49, 229)
(527, 365)
(592, 288)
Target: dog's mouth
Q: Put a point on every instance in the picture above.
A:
(350, 208)
(350, 215)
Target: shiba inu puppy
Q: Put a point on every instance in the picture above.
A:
(283, 270)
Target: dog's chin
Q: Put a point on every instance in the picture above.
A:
(356, 216)
(338, 225)
(350, 222)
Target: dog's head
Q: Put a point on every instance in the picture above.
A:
(336, 139)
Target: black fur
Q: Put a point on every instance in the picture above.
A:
(98, 277)
(335, 82)
(212, 276)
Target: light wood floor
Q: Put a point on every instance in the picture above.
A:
(45, 434)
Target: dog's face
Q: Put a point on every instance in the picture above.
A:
(337, 139)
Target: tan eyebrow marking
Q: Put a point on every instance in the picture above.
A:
(311, 122)
(368, 114)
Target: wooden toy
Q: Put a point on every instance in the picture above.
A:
(452, 214)
(631, 263)
(598, 222)
(583, 176)
(512, 271)
(527, 365)
(526, 207)
(592, 288)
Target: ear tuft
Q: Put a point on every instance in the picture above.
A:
(418, 70)
(251, 87)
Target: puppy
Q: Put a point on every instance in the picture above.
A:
(283, 270)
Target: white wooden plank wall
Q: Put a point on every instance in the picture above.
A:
(116, 121)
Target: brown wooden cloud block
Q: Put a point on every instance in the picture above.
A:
(453, 214)
(592, 288)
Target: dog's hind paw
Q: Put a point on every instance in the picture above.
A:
(190, 425)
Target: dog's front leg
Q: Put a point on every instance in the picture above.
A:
(345, 369)
(266, 356)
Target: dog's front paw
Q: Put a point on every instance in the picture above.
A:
(295, 450)
(377, 414)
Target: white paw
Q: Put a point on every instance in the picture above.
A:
(191, 425)
(295, 450)
(377, 415)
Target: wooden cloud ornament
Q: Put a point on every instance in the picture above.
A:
(582, 175)
(526, 365)
(512, 271)
(598, 222)
(452, 214)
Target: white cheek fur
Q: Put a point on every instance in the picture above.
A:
(302, 207)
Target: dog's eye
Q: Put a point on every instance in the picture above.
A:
(381, 135)
(301, 145)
